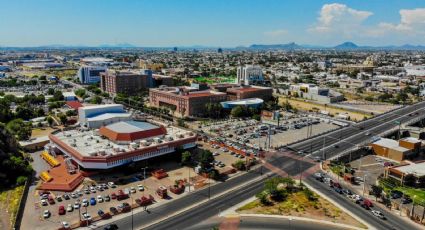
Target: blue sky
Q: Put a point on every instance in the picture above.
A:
(223, 23)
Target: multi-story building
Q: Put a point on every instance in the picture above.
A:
(397, 150)
(90, 74)
(408, 173)
(184, 101)
(245, 92)
(127, 82)
(249, 74)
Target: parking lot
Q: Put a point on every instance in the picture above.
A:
(254, 133)
(95, 194)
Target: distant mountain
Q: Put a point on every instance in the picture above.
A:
(289, 46)
(119, 45)
(346, 45)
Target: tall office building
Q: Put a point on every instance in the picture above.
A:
(127, 82)
(90, 74)
(249, 74)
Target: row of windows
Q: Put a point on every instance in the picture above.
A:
(143, 156)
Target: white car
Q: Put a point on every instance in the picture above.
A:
(99, 199)
(378, 214)
(85, 203)
(111, 184)
(141, 187)
(76, 205)
(215, 154)
(86, 216)
(69, 208)
(65, 225)
(44, 202)
(133, 190)
(46, 214)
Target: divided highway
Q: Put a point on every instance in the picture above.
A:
(172, 216)
(359, 133)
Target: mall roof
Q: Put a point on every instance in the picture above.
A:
(106, 116)
(131, 126)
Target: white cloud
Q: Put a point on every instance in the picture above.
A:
(339, 18)
(276, 33)
(412, 22)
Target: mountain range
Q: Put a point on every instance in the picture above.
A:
(288, 46)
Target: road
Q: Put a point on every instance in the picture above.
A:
(292, 166)
(348, 137)
(255, 223)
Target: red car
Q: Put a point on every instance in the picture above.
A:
(61, 210)
(51, 200)
(113, 196)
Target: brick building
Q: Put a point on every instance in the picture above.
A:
(127, 82)
(245, 92)
(183, 101)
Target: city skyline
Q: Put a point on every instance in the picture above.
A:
(218, 23)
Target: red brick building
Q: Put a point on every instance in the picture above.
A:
(244, 92)
(130, 83)
(182, 101)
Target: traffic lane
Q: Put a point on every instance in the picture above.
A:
(289, 165)
(209, 209)
(392, 222)
(270, 223)
(157, 213)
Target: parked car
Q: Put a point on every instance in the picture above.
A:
(69, 208)
(113, 210)
(59, 198)
(92, 201)
(111, 185)
(113, 196)
(46, 214)
(395, 194)
(406, 199)
(107, 198)
(44, 202)
(65, 225)
(100, 213)
(66, 196)
(378, 214)
(61, 210)
(86, 216)
(99, 199)
(77, 205)
(140, 187)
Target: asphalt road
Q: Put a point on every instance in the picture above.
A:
(353, 134)
(264, 223)
(213, 206)
(290, 165)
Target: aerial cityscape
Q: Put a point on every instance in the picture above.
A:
(212, 115)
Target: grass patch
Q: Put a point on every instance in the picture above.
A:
(419, 193)
(10, 200)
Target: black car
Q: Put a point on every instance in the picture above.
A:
(66, 196)
(396, 194)
(347, 192)
(338, 190)
(111, 227)
(113, 210)
(100, 213)
(406, 200)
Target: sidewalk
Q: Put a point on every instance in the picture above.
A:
(358, 190)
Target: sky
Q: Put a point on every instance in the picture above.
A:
(224, 23)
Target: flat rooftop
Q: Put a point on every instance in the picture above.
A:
(91, 143)
(131, 126)
(417, 169)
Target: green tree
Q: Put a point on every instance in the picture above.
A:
(50, 120)
(80, 92)
(20, 129)
(63, 118)
(96, 100)
(205, 159)
(238, 111)
(186, 157)
(239, 165)
(50, 91)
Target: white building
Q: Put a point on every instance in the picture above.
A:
(249, 74)
(99, 115)
(90, 74)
